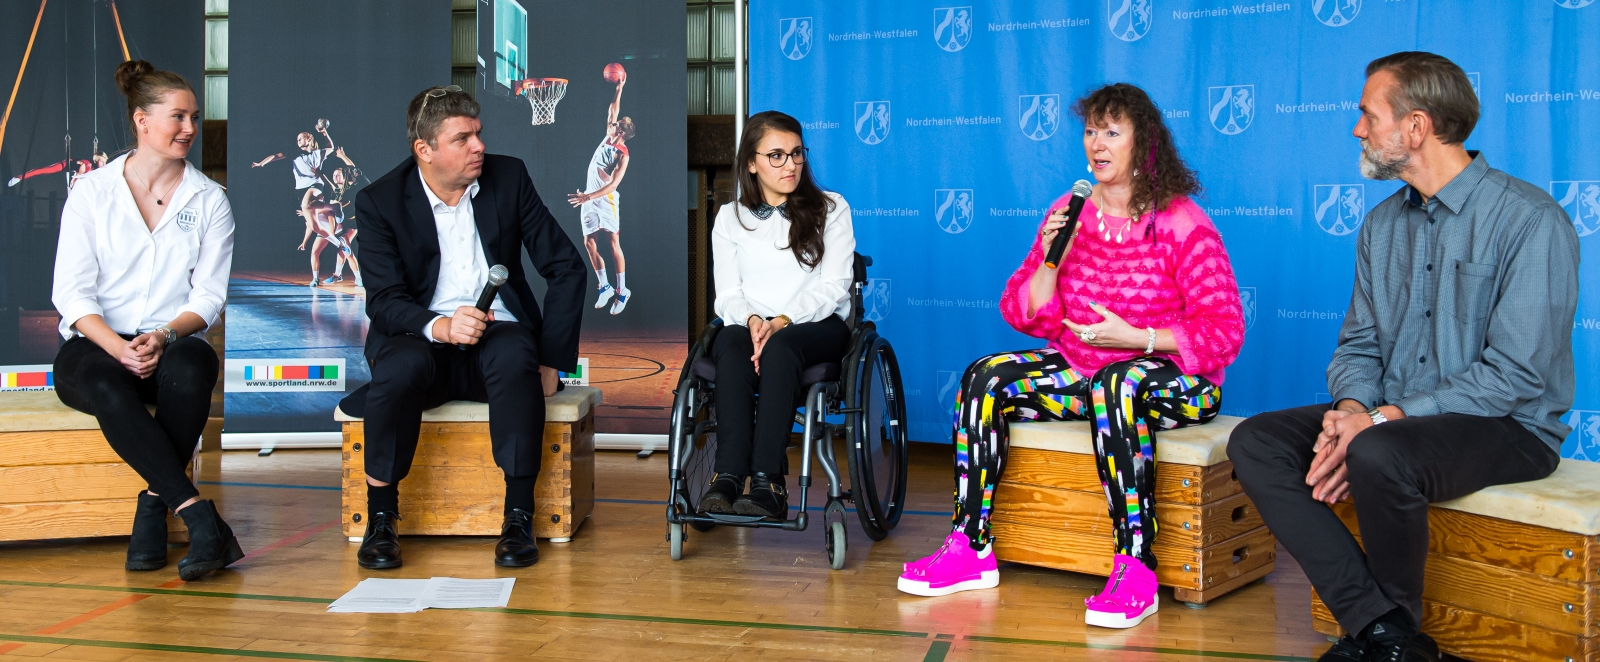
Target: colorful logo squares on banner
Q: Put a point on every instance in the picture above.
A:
(27, 379)
(257, 373)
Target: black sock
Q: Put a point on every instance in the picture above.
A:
(384, 499)
(1394, 619)
(519, 493)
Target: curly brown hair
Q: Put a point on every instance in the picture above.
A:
(1160, 173)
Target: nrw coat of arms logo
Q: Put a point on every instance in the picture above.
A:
(1247, 302)
(1582, 202)
(1339, 208)
(1335, 13)
(876, 299)
(794, 37)
(952, 209)
(1574, 4)
(1038, 115)
(952, 27)
(1584, 444)
(1233, 108)
(1130, 19)
(949, 389)
(872, 121)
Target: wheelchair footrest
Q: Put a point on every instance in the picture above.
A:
(737, 519)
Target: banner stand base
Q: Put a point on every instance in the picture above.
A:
(645, 444)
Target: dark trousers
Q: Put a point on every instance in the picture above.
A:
(1395, 470)
(410, 374)
(751, 436)
(157, 447)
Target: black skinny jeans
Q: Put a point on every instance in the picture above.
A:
(157, 447)
(754, 436)
(1395, 470)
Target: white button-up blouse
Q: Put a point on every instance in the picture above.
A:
(757, 274)
(109, 263)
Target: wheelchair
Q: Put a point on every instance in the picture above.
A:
(859, 398)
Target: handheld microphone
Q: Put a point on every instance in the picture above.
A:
(497, 277)
(1080, 192)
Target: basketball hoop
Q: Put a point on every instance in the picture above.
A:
(543, 94)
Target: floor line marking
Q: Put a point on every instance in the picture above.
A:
(937, 651)
(695, 621)
(201, 650)
(166, 588)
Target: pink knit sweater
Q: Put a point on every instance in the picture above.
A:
(1182, 281)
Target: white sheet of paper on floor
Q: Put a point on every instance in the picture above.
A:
(452, 593)
(382, 596)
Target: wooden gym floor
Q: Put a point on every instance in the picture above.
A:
(610, 594)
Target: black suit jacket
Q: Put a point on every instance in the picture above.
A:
(399, 253)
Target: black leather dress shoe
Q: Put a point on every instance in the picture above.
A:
(725, 489)
(380, 547)
(767, 498)
(147, 547)
(516, 548)
(1346, 649)
(1386, 643)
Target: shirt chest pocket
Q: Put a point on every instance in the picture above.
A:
(1474, 290)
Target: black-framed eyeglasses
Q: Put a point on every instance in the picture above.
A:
(778, 157)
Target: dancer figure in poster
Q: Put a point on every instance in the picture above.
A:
(599, 202)
(78, 168)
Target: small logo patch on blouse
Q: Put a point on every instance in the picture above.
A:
(187, 219)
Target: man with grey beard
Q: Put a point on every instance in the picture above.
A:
(1453, 369)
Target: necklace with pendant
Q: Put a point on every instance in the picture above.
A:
(152, 191)
(1105, 233)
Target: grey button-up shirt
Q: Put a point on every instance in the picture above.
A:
(1464, 304)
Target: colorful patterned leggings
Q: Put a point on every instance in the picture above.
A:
(1129, 400)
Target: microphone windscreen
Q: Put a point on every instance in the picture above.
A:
(498, 275)
(1082, 188)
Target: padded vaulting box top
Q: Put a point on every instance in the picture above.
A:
(1567, 500)
(1200, 445)
(34, 411)
(569, 405)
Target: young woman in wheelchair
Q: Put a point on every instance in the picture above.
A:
(1141, 317)
(783, 256)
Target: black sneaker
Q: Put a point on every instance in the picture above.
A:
(767, 498)
(1346, 649)
(1386, 643)
(725, 489)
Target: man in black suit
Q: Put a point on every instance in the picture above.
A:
(431, 229)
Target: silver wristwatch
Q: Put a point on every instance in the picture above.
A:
(1377, 416)
(168, 332)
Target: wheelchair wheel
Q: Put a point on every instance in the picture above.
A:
(675, 540)
(877, 437)
(693, 445)
(833, 537)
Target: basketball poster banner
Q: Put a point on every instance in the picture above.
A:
(62, 116)
(591, 96)
(949, 130)
(317, 110)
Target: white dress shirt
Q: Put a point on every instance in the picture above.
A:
(757, 274)
(109, 263)
(463, 269)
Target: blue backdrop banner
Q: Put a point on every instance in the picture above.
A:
(947, 129)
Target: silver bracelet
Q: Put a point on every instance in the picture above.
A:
(168, 332)
(1151, 347)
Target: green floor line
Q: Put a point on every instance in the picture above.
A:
(1138, 649)
(941, 650)
(201, 650)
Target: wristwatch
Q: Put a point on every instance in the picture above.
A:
(168, 332)
(1151, 348)
(1377, 416)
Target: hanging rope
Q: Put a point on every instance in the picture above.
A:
(6, 118)
(124, 40)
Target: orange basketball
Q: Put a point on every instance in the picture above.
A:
(615, 73)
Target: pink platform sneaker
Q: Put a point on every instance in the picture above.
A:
(954, 568)
(1129, 596)
(923, 562)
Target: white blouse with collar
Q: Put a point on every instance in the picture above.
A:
(757, 274)
(109, 263)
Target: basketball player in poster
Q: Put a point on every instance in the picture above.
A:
(598, 204)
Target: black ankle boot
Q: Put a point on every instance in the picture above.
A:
(212, 546)
(380, 547)
(725, 489)
(767, 497)
(147, 547)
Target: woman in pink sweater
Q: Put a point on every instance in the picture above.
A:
(1141, 317)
